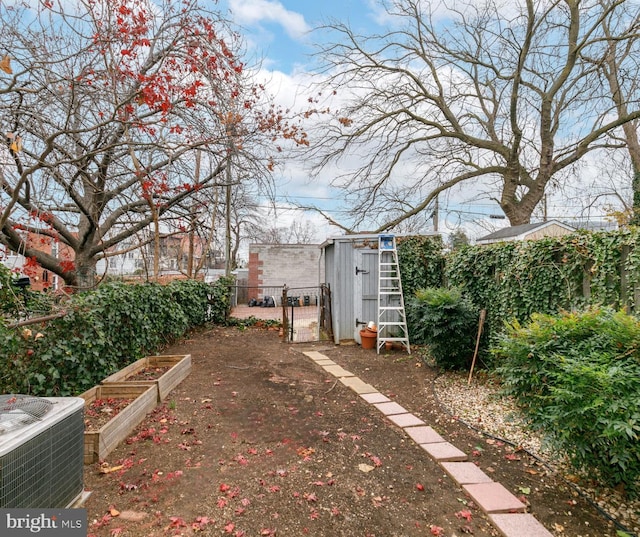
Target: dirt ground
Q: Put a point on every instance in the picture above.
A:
(261, 441)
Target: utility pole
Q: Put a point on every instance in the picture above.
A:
(227, 240)
(436, 209)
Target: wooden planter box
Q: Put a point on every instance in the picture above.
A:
(98, 444)
(179, 364)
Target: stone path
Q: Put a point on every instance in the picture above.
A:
(505, 511)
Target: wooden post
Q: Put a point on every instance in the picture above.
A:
(483, 315)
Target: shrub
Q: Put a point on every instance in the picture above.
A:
(576, 377)
(446, 321)
(192, 296)
(103, 331)
(220, 300)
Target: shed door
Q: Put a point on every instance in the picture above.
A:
(365, 290)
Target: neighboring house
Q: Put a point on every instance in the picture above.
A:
(527, 232)
(125, 260)
(40, 279)
(275, 265)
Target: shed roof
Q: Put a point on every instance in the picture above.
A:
(371, 236)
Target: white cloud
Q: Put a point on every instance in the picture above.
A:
(254, 12)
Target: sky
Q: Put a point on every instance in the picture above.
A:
(281, 30)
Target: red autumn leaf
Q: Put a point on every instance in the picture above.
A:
(224, 487)
(222, 502)
(177, 522)
(436, 530)
(464, 514)
(419, 486)
(512, 457)
(229, 527)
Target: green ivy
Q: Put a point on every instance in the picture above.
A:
(513, 280)
(103, 331)
(219, 298)
(421, 262)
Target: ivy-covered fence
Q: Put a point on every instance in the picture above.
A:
(103, 331)
(516, 279)
(421, 262)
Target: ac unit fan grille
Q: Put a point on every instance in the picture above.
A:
(19, 410)
(46, 471)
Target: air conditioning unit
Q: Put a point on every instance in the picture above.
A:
(41, 451)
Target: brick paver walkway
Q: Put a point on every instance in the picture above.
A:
(505, 510)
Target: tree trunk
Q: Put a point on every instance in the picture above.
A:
(85, 273)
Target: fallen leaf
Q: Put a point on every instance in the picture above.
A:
(110, 469)
(366, 468)
(466, 514)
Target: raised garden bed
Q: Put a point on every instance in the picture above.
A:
(163, 372)
(128, 405)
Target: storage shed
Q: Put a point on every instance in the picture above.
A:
(351, 270)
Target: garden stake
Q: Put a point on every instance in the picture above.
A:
(483, 314)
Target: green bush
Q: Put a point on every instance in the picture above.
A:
(16, 303)
(446, 321)
(220, 300)
(103, 331)
(192, 296)
(576, 377)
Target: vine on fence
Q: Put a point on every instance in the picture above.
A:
(103, 331)
(514, 280)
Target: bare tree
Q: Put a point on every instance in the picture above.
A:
(619, 65)
(499, 96)
(298, 232)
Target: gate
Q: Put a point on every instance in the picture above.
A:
(305, 312)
